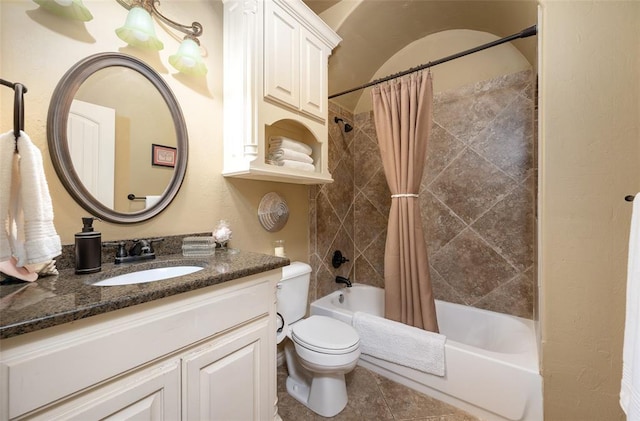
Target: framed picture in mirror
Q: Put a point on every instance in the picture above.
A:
(163, 156)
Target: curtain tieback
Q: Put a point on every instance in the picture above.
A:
(393, 196)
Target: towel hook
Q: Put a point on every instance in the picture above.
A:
(18, 107)
(18, 111)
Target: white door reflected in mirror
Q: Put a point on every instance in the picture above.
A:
(91, 133)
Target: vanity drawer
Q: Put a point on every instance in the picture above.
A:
(53, 363)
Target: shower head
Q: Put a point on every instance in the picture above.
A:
(347, 126)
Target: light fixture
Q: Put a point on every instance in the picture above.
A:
(138, 31)
(188, 59)
(71, 9)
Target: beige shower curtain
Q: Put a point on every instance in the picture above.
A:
(402, 114)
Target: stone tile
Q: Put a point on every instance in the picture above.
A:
(471, 185)
(326, 282)
(365, 400)
(504, 86)
(374, 254)
(372, 397)
(344, 243)
(461, 185)
(348, 223)
(467, 115)
(407, 404)
(521, 81)
(509, 227)
(313, 218)
(369, 222)
(440, 224)
(364, 121)
(334, 155)
(338, 142)
(290, 409)
(367, 160)
(340, 192)
(366, 274)
(316, 263)
(334, 108)
(327, 224)
(515, 297)
(508, 141)
(441, 150)
(471, 267)
(442, 290)
(377, 191)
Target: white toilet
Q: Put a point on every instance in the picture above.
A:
(321, 350)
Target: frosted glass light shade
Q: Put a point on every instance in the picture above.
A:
(70, 9)
(188, 59)
(138, 30)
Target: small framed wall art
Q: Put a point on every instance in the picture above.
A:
(163, 156)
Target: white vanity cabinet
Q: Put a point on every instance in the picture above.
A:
(205, 354)
(275, 84)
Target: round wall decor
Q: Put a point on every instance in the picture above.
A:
(273, 212)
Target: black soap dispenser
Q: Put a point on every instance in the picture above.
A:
(88, 248)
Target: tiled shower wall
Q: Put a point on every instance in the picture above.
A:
(477, 199)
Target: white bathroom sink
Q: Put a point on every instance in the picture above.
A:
(149, 275)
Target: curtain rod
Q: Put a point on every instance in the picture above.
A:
(530, 31)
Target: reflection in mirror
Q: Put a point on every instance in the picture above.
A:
(106, 115)
(133, 111)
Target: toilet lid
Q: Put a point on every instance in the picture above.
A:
(325, 334)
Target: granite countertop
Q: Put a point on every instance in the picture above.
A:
(53, 300)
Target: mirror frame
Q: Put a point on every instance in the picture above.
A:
(59, 148)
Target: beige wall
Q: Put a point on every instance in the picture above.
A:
(37, 48)
(484, 65)
(589, 160)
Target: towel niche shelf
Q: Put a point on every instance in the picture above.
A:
(275, 84)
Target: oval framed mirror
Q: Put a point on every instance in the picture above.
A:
(117, 138)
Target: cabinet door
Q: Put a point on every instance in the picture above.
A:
(314, 58)
(151, 394)
(228, 378)
(281, 56)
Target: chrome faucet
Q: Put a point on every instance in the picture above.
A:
(343, 280)
(140, 250)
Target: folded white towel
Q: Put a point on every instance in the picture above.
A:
(400, 343)
(284, 142)
(41, 241)
(278, 154)
(7, 148)
(296, 165)
(630, 385)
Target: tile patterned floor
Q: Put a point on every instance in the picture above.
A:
(373, 398)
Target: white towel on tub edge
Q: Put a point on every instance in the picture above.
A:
(400, 343)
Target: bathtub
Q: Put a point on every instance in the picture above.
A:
(490, 358)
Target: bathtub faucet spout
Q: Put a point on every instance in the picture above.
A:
(343, 280)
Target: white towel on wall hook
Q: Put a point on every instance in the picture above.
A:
(7, 148)
(41, 241)
(630, 385)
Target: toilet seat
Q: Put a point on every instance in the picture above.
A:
(325, 335)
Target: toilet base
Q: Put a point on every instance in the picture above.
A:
(326, 396)
(323, 393)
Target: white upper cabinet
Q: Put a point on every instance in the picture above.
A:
(282, 57)
(275, 84)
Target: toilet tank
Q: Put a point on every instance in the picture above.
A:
(293, 291)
